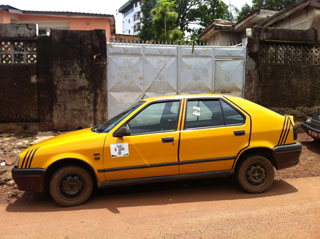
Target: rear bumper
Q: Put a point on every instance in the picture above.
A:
(29, 179)
(287, 155)
(313, 132)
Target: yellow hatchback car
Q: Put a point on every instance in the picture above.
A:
(164, 138)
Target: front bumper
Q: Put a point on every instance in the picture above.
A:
(313, 132)
(287, 155)
(29, 179)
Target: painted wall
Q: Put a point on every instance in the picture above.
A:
(57, 22)
(4, 17)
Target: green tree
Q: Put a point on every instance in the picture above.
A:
(187, 13)
(245, 10)
(276, 5)
(146, 32)
(164, 21)
(209, 10)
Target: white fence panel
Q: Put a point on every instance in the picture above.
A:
(142, 70)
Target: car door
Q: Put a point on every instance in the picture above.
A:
(151, 149)
(214, 133)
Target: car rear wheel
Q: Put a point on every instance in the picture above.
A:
(71, 186)
(256, 174)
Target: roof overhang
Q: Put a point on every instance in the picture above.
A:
(11, 9)
(252, 19)
(214, 27)
(289, 11)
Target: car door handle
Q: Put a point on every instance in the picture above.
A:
(167, 139)
(239, 132)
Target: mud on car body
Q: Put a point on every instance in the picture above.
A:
(163, 139)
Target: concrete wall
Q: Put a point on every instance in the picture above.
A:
(64, 90)
(283, 74)
(301, 20)
(79, 78)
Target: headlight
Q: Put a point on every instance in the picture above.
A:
(16, 163)
(308, 119)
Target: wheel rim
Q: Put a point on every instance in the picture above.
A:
(256, 174)
(71, 186)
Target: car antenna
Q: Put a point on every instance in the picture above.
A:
(144, 94)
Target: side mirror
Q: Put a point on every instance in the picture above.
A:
(122, 131)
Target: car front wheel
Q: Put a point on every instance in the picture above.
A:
(71, 186)
(256, 174)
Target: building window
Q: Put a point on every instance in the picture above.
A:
(42, 31)
(136, 16)
(137, 27)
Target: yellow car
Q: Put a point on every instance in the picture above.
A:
(164, 138)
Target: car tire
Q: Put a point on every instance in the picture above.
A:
(71, 186)
(255, 174)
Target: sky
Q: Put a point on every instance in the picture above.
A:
(91, 6)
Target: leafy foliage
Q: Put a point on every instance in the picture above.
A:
(209, 10)
(172, 19)
(276, 5)
(164, 21)
(146, 32)
(187, 13)
(245, 10)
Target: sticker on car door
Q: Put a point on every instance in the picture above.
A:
(196, 111)
(119, 150)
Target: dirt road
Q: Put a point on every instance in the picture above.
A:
(198, 209)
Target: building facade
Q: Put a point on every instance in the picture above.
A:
(224, 33)
(47, 20)
(131, 23)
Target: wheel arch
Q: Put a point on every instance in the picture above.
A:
(65, 162)
(266, 152)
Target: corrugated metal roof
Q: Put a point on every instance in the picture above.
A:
(217, 24)
(288, 12)
(253, 18)
(55, 13)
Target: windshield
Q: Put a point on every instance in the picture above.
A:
(106, 127)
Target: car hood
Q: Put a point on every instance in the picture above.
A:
(65, 138)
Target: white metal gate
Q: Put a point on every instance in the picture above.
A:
(137, 70)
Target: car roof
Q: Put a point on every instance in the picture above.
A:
(190, 96)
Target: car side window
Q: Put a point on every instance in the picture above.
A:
(203, 113)
(231, 115)
(157, 117)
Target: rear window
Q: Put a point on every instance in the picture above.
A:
(211, 113)
(231, 115)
